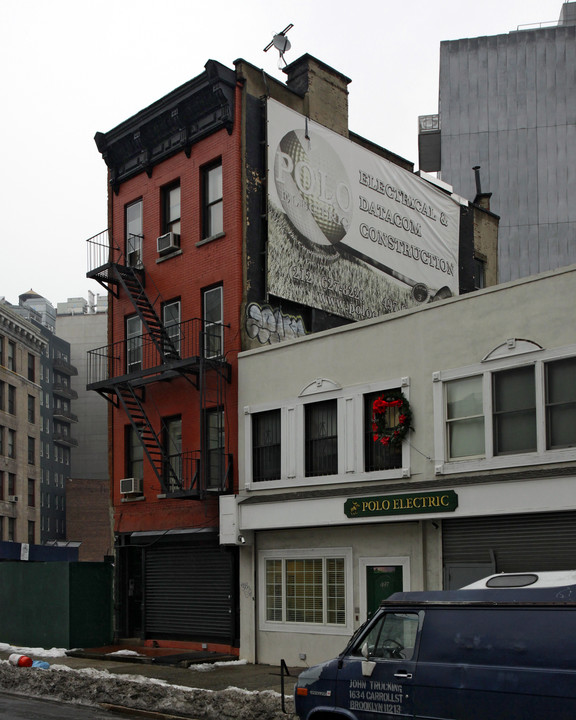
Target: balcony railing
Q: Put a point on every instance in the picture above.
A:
(64, 391)
(192, 474)
(64, 367)
(65, 439)
(66, 415)
(140, 355)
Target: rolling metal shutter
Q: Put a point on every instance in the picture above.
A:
(189, 593)
(539, 541)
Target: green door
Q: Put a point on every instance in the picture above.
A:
(381, 582)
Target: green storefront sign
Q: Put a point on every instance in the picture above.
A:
(432, 502)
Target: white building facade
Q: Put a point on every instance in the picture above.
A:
(329, 522)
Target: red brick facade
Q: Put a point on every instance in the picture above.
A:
(182, 276)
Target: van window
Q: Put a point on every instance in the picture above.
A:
(392, 637)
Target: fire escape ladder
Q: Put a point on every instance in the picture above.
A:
(131, 280)
(151, 443)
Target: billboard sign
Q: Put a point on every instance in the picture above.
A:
(349, 232)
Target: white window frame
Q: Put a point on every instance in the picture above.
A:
(350, 402)
(445, 466)
(209, 325)
(327, 553)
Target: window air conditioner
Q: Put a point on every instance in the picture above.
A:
(166, 243)
(130, 486)
(12, 498)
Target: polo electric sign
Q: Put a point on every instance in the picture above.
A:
(349, 232)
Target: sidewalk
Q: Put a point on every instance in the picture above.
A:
(195, 670)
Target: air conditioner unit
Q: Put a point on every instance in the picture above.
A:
(131, 486)
(166, 243)
(12, 498)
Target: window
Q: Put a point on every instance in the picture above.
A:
(171, 209)
(321, 438)
(31, 532)
(561, 404)
(2, 394)
(11, 400)
(133, 344)
(508, 415)
(11, 358)
(464, 417)
(514, 411)
(134, 234)
(31, 451)
(212, 219)
(2, 350)
(31, 367)
(134, 454)
(213, 322)
(392, 637)
(376, 455)
(479, 271)
(11, 529)
(11, 484)
(31, 409)
(31, 493)
(2, 449)
(11, 443)
(266, 446)
(171, 320)
(301, 589)
(172, 441)
(215, 458)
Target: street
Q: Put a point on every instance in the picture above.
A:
(18, 707)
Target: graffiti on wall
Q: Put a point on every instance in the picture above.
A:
(270, 326)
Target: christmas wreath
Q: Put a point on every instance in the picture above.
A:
(384, 432)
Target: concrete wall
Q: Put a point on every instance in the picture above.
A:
(508, 104)
(307, 513)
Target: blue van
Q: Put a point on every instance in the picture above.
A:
(501, 649)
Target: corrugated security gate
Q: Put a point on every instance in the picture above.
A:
(518, 543)
(189, 593)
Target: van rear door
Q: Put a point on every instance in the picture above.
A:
(377, 673)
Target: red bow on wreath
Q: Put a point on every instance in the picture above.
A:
(385, 432)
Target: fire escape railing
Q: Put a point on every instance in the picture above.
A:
(140, 355)
(120, 370)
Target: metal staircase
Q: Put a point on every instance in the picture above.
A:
(108, 375)
(131, 280)
(153, 448)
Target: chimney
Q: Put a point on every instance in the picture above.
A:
(324, 89)
(481, 199)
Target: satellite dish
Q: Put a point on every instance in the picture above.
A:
(281, 43)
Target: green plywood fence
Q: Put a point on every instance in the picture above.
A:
(56, 604)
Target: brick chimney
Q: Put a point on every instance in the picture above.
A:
(324, 89)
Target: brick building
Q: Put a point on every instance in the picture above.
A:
(201, 260)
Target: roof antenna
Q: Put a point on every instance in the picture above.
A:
(281, 43)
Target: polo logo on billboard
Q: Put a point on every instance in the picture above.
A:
(313, 188)
(348, 231)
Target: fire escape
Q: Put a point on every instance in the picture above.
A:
(122, 371)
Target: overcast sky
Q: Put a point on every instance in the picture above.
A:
(70, 68)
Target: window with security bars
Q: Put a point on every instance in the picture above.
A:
(376, 455)
(321, 438)
(306, 591)
(266, 446)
